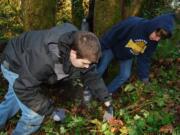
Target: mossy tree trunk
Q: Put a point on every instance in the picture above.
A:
(109, 12)
(132, 8)
(106, 13)
(38, 14)
(77, 12)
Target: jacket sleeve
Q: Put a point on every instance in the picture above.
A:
(143, 62)
(96, 84)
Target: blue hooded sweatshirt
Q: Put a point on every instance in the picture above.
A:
(130, 38)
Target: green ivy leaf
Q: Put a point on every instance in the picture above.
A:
(129, 87)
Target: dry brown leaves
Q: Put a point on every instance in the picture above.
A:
(115, 124)
(166, 129)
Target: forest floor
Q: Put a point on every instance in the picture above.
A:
(139, 109)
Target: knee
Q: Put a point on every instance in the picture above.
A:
(32, 118)
(27, 125)
(36, 119)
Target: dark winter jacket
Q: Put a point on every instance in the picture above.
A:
(43, 56)
(131, 38)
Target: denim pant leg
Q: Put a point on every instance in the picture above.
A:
(124, 73)
(9, 107)
(106, 58)
(29, 122)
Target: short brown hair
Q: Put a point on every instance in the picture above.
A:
(87, 45)
(162, 33)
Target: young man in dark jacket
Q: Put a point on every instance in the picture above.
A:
(47, 56)
(134, 36)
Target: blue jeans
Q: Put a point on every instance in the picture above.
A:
(124, 69)
(30, 121)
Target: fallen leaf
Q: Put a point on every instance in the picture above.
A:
(170, 83)
(124, 130)
(114, 130)
(96, 122)
(115, 122)
(166, 129)
(178, 60)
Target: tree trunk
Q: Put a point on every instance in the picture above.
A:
(133, 8)
(77, 12)
(106, 14)
(38, 14)
(109, 12)
(90, 15)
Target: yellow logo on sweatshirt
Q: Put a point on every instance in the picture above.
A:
(137, 47)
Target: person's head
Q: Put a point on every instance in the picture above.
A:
(160, 27)
(85, 49)
(158, 34)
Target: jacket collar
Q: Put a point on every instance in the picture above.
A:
(64, 45)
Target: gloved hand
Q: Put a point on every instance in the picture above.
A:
(107, 103)
(108, 113)
(86, 96)
(58, 114)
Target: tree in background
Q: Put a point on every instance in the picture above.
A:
(19, 15)
(130, 7)
(10, 18)
(106, 13)
(72, 11)
(77, 12)
(38, 14)
(109, 12)
(150, 9)
(63, 12)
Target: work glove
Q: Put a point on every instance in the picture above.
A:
(108, 112)
(58, 115)
(87, 96)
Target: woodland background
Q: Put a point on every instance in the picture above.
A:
(140, 109)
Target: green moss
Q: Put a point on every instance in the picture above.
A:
(39, 14)
(106, 14)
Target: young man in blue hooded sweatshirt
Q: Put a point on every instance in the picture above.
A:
(134, 36)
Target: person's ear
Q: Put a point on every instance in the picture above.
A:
(73, 54)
